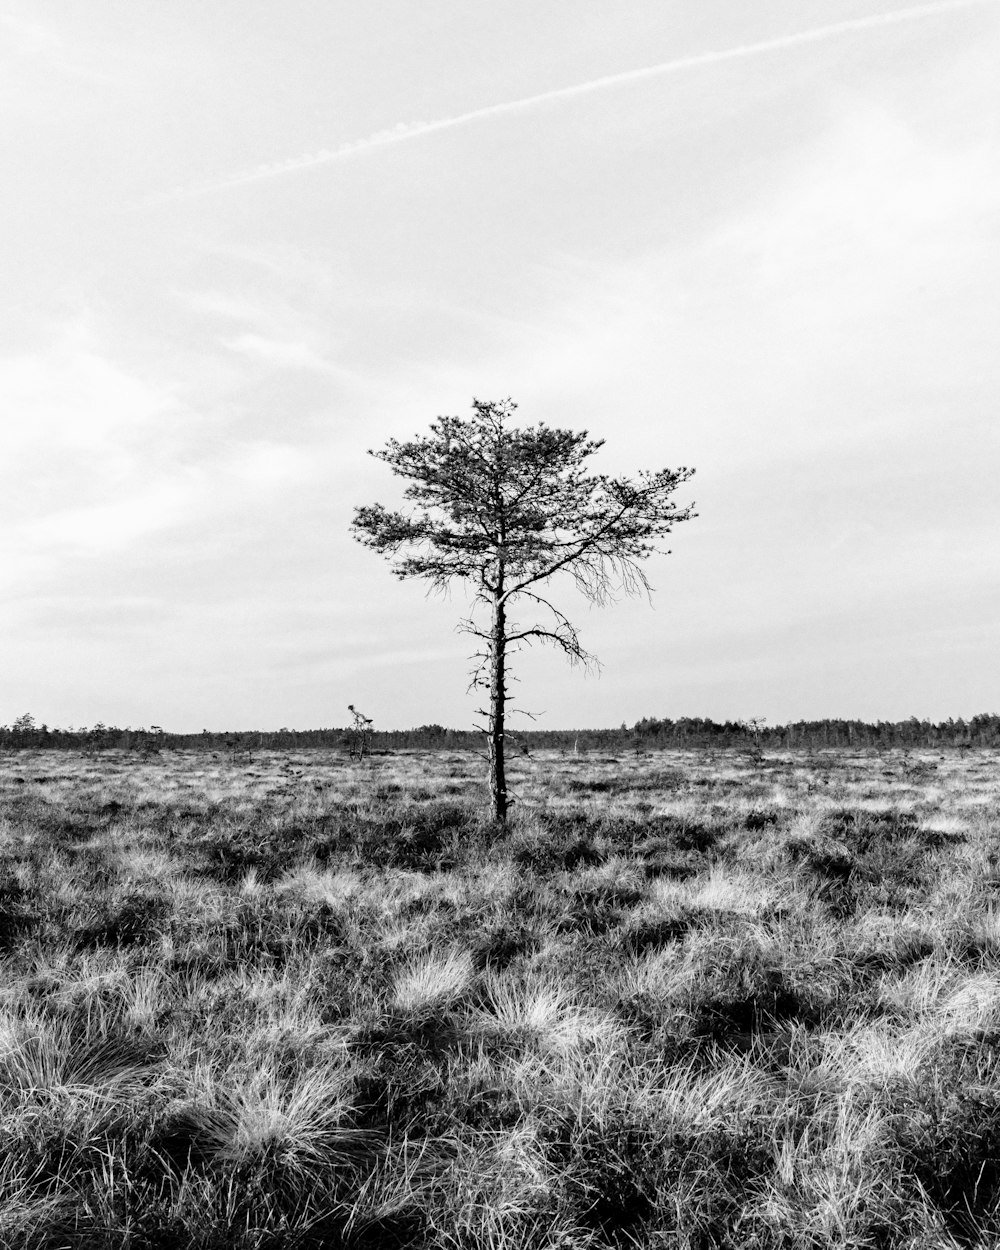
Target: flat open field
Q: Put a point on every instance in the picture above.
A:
(684, 1001)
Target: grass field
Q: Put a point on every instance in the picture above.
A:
(684, 1001)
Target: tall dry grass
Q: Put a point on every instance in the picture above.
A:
(682, 1001)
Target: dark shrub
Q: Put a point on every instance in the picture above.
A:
(129, 922)
(950, 1133)
(879, 858)
(18, 913)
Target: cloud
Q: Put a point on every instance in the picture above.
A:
(117, 523)
(33, 41)
(100, 460)
(403, 132)
(874, 193)
(299, 327)
(72, 395)
(279, 353)
(273, 354)
(842, 316)
(182, 496)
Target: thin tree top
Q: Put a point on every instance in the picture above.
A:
(510, 506)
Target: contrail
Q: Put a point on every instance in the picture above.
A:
(406, 131)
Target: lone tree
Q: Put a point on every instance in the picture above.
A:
(360, 733)
(506, 509)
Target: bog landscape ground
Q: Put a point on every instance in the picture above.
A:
(684, 1000)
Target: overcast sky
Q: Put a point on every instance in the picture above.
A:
(241, 242)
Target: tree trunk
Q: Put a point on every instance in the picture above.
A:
(498, 699)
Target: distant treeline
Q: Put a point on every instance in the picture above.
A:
(980, 731)
(648, 734)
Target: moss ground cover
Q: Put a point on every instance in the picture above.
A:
(683, 1000)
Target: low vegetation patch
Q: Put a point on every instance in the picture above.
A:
(680, 1001)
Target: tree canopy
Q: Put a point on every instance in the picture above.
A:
(506, 508)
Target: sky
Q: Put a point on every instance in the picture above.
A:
(243, 243)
